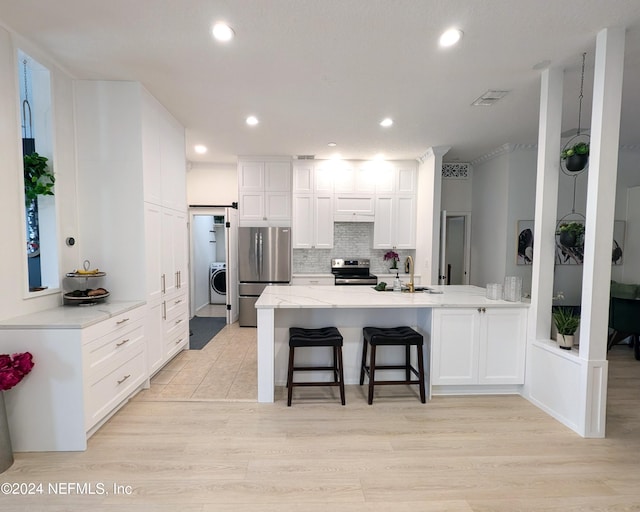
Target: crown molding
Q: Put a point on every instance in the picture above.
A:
(433, 151)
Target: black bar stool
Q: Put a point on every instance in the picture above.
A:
(324, 337)
(396, 336)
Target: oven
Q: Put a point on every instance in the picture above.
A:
(352, 272)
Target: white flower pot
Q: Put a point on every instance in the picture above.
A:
(565, 341)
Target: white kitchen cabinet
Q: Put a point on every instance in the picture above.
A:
(264, 191)
(132, 195)
(478, 346)
(395, 209)
(313, 280)
(163, 155)
(88, 363)
(167, 278)
(312, 221)
(395, 222)
(312, 207)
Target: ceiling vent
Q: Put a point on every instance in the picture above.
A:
(489, 98)
(305, 157)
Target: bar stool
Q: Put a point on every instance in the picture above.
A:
(324, 337)
(396, 336)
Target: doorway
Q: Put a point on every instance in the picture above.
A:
(457, 248)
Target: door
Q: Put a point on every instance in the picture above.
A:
(231, 236)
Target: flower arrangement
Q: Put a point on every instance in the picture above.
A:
(393, 256)
(13, 368)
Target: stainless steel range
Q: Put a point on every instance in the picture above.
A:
(352, 272)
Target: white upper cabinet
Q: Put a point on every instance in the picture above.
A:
(163, 156)
(264, 192)
(312, 219)
(395, 208)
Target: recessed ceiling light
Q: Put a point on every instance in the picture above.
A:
(200, 149)
(332, 144)
(387, 121)
(252, 120)
(222, 32)
(450, 37)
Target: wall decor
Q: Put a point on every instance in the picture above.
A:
(569, 250)
(524, 249)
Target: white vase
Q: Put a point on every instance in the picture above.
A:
(565, 341)
(6, 452)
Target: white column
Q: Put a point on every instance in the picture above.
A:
(546, 203)
(601, 192)
(266, 354)
(428, 213)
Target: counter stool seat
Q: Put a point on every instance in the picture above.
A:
(395, 336)
(323, 337)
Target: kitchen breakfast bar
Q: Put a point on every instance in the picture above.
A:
(474, 345)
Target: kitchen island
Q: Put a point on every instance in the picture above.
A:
(473, 345)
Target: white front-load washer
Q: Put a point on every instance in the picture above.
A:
(218, 283)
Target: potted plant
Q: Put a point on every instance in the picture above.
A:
(566, 322)
(571, 234)
(576, 157)
(394, 257)
(38, 179)
(13, 368)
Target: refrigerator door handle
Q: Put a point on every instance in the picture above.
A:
(260, 257)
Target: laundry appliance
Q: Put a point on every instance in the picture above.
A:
(218, 283)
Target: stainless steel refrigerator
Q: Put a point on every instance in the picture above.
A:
(264, 257)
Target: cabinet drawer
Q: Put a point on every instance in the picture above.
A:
(176, 318)
(353, 208)
(114, 383)
(117, 323)
(178, 340)
(313, 281)
(100, 351)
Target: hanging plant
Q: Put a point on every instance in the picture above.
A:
(38, 179)
(571, 234)
(576, 157)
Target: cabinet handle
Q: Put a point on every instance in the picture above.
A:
(122, 342)
(479, 310)
(314, 281)
(178, 301)
(178, 321)
(124, 378)
(122, 321)
(179, 341)
(164, 309)
(482, 310)
(177, 280)
(163, 280)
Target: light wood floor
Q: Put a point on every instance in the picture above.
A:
(465, 454)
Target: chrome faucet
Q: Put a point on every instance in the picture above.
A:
(408, 265)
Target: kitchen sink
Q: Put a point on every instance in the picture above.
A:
(417, 289)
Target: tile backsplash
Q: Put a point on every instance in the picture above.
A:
(350, 240)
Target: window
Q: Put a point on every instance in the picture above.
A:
(39, 177)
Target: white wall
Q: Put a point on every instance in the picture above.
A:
(212, 184)
(489, 220)
(13, 278)
(504, 192)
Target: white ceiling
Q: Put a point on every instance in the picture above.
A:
(315, 71)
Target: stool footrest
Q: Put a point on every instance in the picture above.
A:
(314, 369)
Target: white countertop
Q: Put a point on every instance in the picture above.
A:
(286, 297)
(70, 317)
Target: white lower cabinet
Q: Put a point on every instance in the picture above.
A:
(478, 346)
(114, 360)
